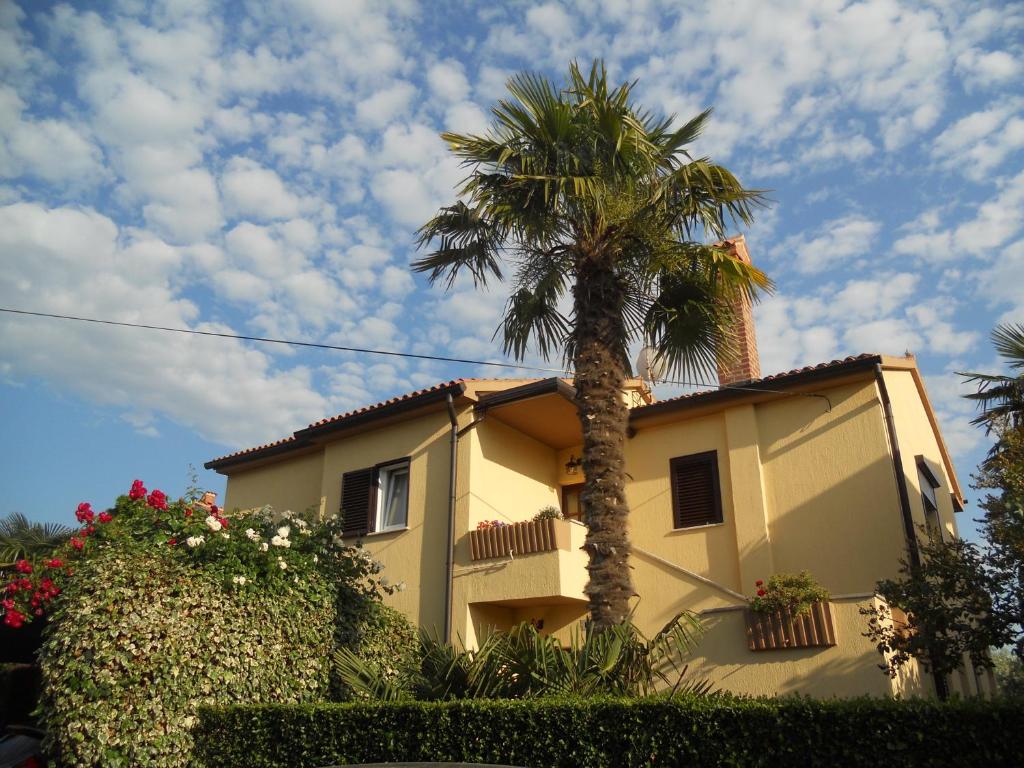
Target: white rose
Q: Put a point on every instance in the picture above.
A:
(277, 541)
(282, 565)
(264, 547)
(194, 541)
(251, 534)
(213, 523)
(283, 531)
(225, 535)
(400, 586)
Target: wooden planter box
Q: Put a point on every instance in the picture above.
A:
(519, 539)
(781, 630)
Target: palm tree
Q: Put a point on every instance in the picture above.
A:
(588, 197)
(1001, 398)
(20, 538)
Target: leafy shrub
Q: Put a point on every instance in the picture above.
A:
(548, 513)
(385, 642)
(599, 733)
(156, 606)
(140, 639)
(795, 592)
(523, 663)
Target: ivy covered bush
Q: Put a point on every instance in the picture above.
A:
(157, 606)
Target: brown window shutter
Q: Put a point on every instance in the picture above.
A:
(696, 494)
(358, 501)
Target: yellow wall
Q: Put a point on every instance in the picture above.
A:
(805, 484)
(832, 501)
(415, 556)
(511, 475)
(288, 484)
(917, 438)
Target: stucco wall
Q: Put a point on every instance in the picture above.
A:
(917, 438)
(415, 556)
(290, 484)
(832, 501)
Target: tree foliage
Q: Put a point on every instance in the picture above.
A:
(22, 539)
(523, 663)
(949, 610)
(599, 213)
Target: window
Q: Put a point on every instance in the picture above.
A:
(375, 499)
(928, 482)
(393, 497)
(696, 494)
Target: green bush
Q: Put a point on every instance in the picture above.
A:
(157, 606)
(141, 639)
(386, 641)
(592, 733)
(795, 592)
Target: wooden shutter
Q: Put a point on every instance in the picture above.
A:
(696, 495)
(358, 501)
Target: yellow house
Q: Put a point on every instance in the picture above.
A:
(829, 468)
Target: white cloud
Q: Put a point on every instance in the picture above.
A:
(836, 241)
(385, 105)
(448, 81)
(252, 190)
(66, 260)
(979, 143)
(985, 69)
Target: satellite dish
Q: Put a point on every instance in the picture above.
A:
(649, 365)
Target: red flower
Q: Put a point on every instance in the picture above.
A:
(23, 566)
(761, 593)
(25, 583)
(188, 511)
(138, 491)
(38, 611)
(14, 619)
(77, 543)
(171, 542)
(157, 500)
(55, 563)
(84, 512)
(105, 517)
(7, 604)
(13, 587)
(223, 521)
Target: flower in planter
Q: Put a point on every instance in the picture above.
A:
(795, 592)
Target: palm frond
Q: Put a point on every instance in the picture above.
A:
(20, 538)
(467, 241)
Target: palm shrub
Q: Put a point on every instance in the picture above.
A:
(22, 539)
(584, 195)
(523, 663)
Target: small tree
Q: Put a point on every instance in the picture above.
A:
(949, 608)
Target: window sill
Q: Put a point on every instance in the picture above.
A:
(695, 528)
(388, 532)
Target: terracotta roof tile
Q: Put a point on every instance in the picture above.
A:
(298, 441)
(753, 383)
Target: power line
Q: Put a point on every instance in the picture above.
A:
(265, 340)
(387, 353)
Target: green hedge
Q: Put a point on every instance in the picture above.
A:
(715, 731)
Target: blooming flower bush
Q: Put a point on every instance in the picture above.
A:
(157, 606)
(484, 525)
(795, 592)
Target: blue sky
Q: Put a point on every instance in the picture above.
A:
(260, 167)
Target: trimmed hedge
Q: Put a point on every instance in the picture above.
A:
(713, 731)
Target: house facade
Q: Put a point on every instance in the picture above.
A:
(829, 469)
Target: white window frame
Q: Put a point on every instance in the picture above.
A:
(383, 485)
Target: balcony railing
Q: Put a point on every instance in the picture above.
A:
(519, 539)
(781, 630)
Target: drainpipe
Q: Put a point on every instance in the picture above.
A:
(941, 688)
(452, 478)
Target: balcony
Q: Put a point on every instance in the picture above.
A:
(519, 539)
(536, 561)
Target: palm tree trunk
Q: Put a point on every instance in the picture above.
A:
(600, 375)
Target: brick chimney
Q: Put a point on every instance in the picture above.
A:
(745, 365)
